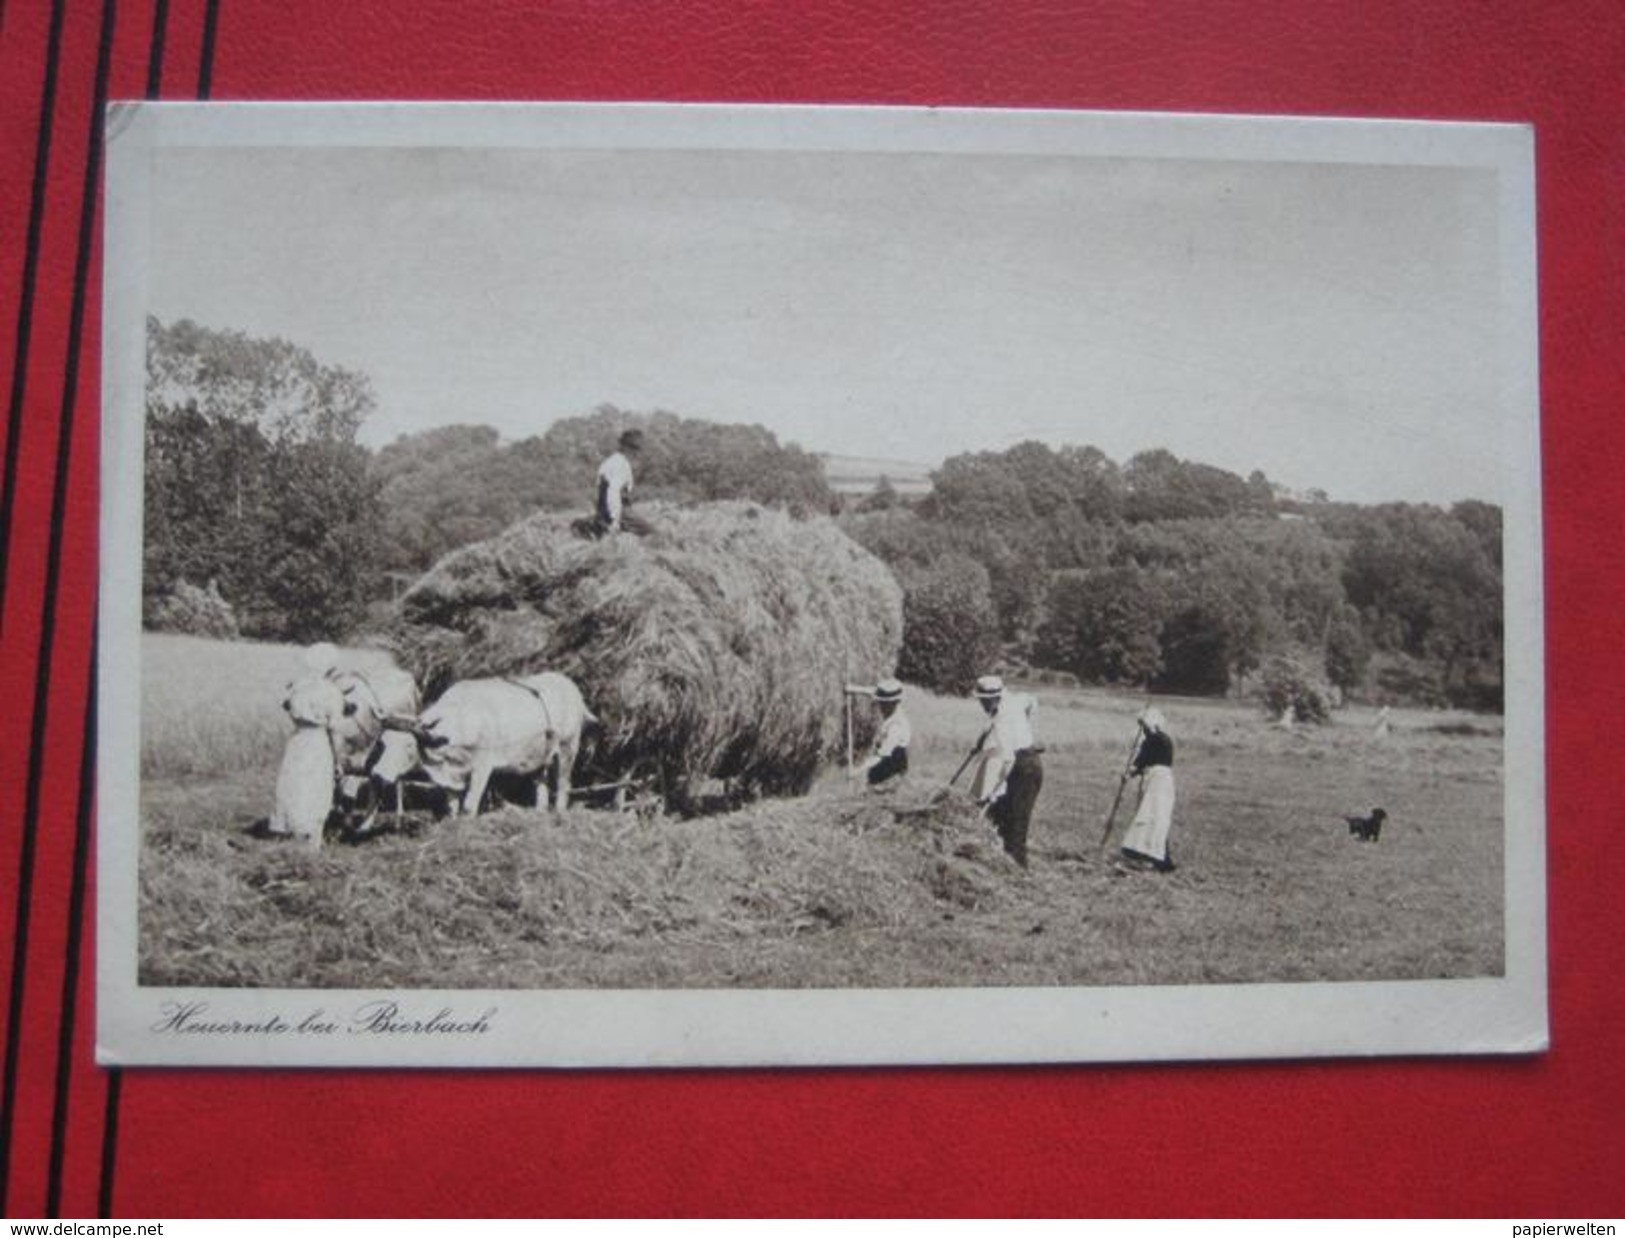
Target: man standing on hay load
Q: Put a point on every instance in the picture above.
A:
(889, 761)
(615, 489)
(1010, 774)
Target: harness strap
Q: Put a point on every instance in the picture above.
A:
(540, 699)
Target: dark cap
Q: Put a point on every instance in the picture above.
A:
(631, 440)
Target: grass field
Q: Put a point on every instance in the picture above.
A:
(833, 889)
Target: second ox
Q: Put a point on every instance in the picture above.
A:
(368, 753)
(481, 727)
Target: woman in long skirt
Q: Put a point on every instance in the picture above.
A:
(1145, 845)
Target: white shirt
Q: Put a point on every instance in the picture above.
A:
(1013, 723)
(1010, 732)
(895, 733)
(614, 483)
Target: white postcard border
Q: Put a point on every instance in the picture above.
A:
(246, 1027)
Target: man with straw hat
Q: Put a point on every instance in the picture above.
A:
(1010, 773)
(889, 760)
(614, 491)
(1145, 845)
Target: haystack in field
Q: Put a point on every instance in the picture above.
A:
(716, 647)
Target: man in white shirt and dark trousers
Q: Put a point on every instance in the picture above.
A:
(615, 488)
(1010, 773)
(889, 759)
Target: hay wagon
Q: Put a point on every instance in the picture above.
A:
(714, 650)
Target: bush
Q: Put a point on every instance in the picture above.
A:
(193, 611)
(1289, 685)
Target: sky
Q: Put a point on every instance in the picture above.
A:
(1332, 325)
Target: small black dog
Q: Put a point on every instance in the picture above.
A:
(1367, 829)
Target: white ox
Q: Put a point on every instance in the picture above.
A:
(364, 747)
(517, 726)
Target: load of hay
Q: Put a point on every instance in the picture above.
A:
(717, 647)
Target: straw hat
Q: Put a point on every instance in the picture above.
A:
(988, 687)
(888, 690)
(1152, 720)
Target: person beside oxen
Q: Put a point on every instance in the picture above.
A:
(1145, 845)
(889, 759)
(367, 759)
(1010, 772)
(305, 778)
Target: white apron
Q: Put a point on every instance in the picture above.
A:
(1148, 834)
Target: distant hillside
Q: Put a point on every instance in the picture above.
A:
(861, 474)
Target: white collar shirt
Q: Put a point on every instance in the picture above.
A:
(895, 733)
(617, 470)
(1012, 729)
(615, 478)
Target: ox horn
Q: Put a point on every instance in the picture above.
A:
(414, 728)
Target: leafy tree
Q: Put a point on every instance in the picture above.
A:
(1348, 652)
(1196, 652)
(1095, 484)
(950, 629)
(1427, 584)
(686, 459)
(1163, 487)
(278, 387)
(1020, 583)
(446, 487)
(254, 481)
(899, 537)
(1222, 597)
(451, 486)
(312, 557)
(1054, 505)
(1483, 520)
(904, 540)
(1104, 626)
(983, 490)
(1421, 574)
(1224, 573)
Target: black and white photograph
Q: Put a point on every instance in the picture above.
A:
(677, 585)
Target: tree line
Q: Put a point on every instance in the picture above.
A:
(267, 518)
(1176, 576)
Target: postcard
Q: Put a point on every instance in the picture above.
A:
(655, 585)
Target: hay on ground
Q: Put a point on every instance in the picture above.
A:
(715, 647)
(510, 900)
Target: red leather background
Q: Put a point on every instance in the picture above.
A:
(1531, 1137)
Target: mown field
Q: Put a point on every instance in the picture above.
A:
(834, 889)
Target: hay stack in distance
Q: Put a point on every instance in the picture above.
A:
(717, 646)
